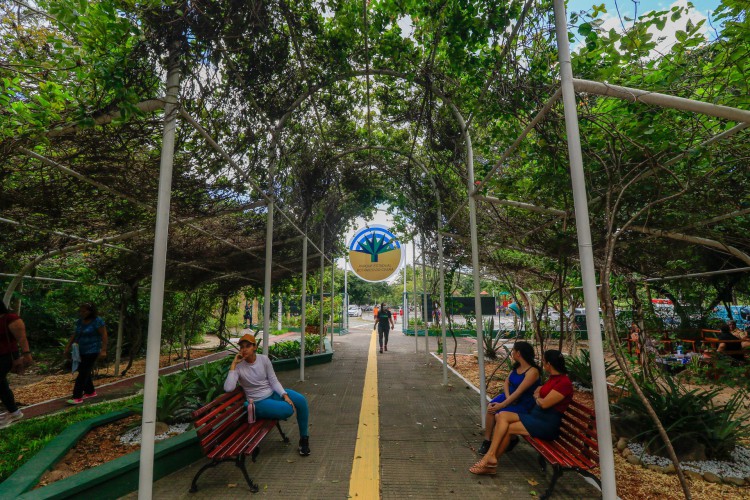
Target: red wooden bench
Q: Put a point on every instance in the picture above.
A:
(225, 435)
(576, 448)
(733, 348)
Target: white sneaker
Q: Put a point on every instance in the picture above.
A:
(9, 418)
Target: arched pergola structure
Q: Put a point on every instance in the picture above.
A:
(267, 190)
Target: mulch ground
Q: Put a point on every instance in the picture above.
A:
(99, 446)
(61, 384)
(633, 482)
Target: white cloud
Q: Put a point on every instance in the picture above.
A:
(664, 38)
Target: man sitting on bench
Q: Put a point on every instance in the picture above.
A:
(255, 374)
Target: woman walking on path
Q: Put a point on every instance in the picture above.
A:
(12, 335)
(90, 338)
(384, 323)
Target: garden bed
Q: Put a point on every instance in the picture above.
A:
(89, 453)
(61, 384)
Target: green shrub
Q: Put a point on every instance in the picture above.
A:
(690, 417)
(289, 349)
(207, 381)
(579, 368)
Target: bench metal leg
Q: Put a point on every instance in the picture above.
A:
(194, 485)
(241, 464)
(278, 426)
(589, 478)
(557, 472)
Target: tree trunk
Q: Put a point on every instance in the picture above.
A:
(609, 331)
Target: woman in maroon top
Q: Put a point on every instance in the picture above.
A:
(552, 399)
(12, 335)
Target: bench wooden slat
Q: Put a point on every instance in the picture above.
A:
(577, 436)
(220, 448)
(577, 445)
(225, 404)
(219, 433)
(577, 448)
(269, 425)
(259, 429)
(208, 406)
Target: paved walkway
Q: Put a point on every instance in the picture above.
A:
(426, 435)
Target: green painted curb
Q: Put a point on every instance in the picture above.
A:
(437, 333)
(336, 329)
(313, 359)
(27, 476)
(120, 476)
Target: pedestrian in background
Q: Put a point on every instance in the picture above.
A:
(90, 337)
(384, 323)
(12, 335)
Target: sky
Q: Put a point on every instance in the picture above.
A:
(702, 9)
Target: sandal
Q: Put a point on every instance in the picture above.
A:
(482, 469)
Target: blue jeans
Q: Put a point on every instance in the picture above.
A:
(275, 407)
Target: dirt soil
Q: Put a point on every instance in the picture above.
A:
(32, 389)
(100, 445)
(633, 482)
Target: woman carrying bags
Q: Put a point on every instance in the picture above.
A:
(91, 339)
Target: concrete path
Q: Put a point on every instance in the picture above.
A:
(427, 433)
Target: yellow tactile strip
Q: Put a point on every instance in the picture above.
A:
(365, 479)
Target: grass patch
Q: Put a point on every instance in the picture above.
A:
(23, 440)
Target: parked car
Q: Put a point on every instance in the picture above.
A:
(366, 308)
(355, 310)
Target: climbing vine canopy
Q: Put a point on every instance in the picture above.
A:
(333, 107)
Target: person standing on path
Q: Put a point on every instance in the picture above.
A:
(384, 323)
(12, 335)
(91, 338)
(255, 374)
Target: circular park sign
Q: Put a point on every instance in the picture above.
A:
(375, 253)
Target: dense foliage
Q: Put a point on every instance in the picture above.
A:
(690, 417)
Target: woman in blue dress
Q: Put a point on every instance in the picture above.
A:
(518, 393)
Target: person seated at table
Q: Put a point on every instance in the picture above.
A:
(731, 347)
(518, 390)
(543, 422)
(746, 337)
(732, 324)
(255, 374)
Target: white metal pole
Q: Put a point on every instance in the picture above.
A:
(322, 327)
(477, 288)
(303, 319)
(601, 403)
(405, 301)
(424, 301)
(415, 301)
(267, 283)
(279, 312)
(346, 292)
(441, 266)
(120, 325)
(333, 294)
(158, 271)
